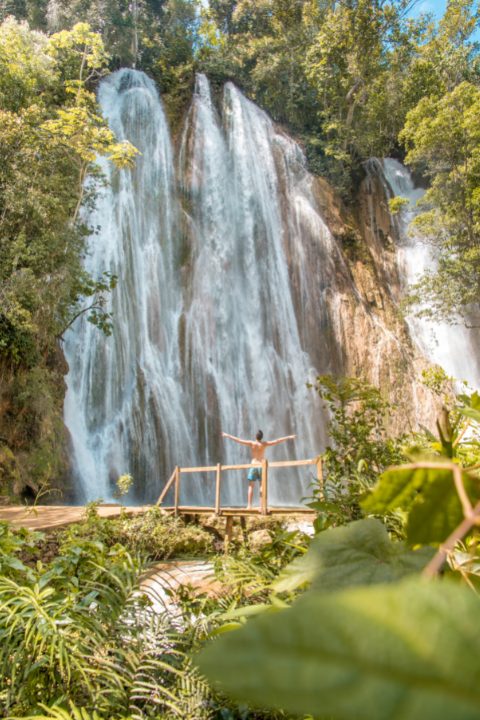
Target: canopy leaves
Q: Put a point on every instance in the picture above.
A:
(426, 490)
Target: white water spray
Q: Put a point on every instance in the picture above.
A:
(124, 405)
(450, 346)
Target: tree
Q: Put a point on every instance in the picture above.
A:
(333, 72)
(356, 64)
(50, 135)
(442, 136)
(359, 449)
(156, 36)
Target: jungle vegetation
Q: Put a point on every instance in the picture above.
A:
(372, 616)
(382, 603)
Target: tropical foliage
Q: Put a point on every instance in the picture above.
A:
(83, 640)
(365, 640)
(50, 134)
(79, 631)
(360, 447)
(443, 136)
(152, 534)
(355, 607)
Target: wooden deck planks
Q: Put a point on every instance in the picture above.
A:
(46, 517)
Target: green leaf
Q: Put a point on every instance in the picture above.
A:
(472, 400)
(360, 553)
(247, 611)
(409, 651)
(470, 412)
(428, 495)
(299, 572)
(13, 563)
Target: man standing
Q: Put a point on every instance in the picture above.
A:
(258, 447)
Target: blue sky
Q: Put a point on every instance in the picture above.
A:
(437, 7)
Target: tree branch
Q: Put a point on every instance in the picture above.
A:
(93, 306)
(436, 563)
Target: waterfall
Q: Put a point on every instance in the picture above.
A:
(212, 327)
(125, 405)
(453, 347)
(232, 294)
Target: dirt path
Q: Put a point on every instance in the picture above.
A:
(43, 517)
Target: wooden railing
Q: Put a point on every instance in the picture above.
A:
(218, 469)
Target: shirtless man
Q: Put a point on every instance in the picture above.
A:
(258, 448)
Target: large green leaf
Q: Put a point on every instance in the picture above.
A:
(471, 407)
(427, 494)
(409, 651)
(470, 412)
(472, 400)
(360, 553)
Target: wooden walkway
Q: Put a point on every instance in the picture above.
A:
(45, 517)
(238, 511)
(174, 485)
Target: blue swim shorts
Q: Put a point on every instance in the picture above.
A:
(255, 473)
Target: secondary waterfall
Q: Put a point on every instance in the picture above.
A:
(451, 346)
(210, 313)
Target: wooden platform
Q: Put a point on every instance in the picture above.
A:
(172, 486)
(238, 511)
(46, 517)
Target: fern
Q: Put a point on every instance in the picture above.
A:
(98, 644)
(73, 713)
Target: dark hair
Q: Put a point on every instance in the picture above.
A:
(259, 436)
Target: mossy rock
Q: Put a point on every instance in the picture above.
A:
(10, 483)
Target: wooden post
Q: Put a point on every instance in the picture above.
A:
(243, 523)
(217, 489)
(264, 498)
(320, 474)
(228, 531)
(166, 488)
(177, 488)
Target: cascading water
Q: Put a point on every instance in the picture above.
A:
(206, 331)
(450, 346)
(232, 294)
(246, 366)
(124, 405)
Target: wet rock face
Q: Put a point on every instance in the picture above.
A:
(354, 324)
(375, 337)
(33, 438)
(350, 315)
(10, 483)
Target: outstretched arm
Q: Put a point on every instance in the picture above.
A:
(280, 440)
(238, 440)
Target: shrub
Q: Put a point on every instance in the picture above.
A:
(153, 534)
